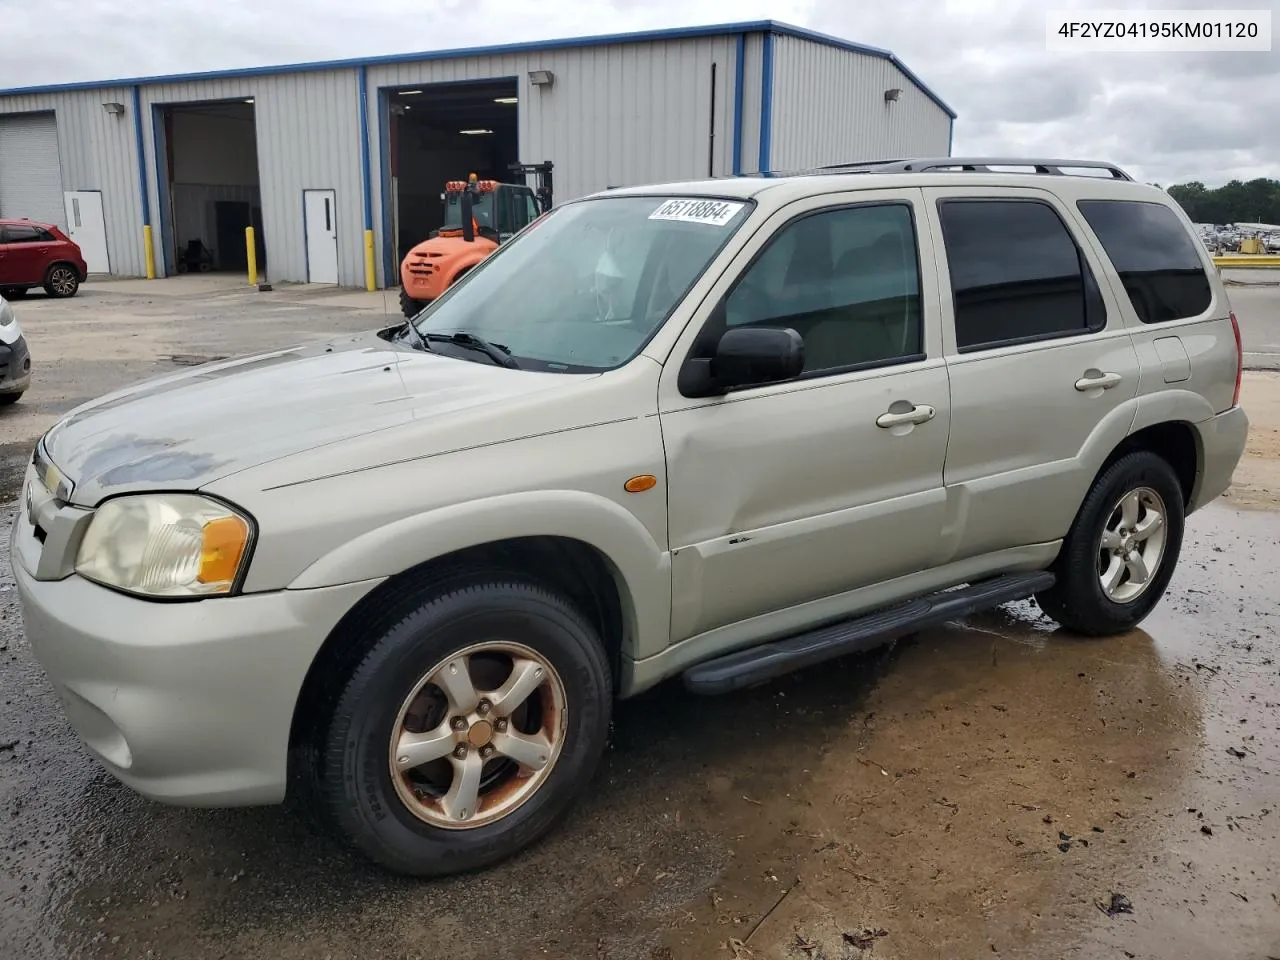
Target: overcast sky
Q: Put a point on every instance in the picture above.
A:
(1166, 117)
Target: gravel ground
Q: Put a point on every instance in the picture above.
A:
(991, 788)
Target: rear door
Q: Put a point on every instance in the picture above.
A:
(24, 251)
(1040, 361)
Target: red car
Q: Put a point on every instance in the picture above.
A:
(38, 255)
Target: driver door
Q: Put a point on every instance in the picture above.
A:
(785, 493)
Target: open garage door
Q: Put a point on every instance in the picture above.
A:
(30, 174)
(441, 132)
(209, 186)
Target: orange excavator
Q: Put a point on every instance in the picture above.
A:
(478, 216)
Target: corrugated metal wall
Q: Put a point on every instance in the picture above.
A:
(97, 152)
(615, 116)
(308, 137)
(829, 107)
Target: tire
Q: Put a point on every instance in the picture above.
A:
(9, 399)
(61, 281)
(409, 306)
(382, 812)
(1079, 600)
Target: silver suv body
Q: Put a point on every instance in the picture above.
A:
(720, 429)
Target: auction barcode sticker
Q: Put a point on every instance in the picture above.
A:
(689, 210)
(1159, 31)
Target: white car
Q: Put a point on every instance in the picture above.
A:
(15, 359)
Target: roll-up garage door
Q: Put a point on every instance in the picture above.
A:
(30, 175)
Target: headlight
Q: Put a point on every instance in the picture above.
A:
(6, 313)
(165, 545)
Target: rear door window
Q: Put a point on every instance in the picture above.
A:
(16, 233)
(1017, 274)
(1154, 255)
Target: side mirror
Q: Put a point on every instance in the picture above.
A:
(745, 356)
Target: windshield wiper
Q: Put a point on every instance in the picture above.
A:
(496, 352)
(417, 335)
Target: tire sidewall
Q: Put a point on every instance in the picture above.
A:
(370, 810)
(1129, 473)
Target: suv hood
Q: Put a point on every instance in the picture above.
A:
(189, 429)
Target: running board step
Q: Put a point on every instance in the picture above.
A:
(765, 661)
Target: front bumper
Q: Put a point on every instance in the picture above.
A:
(15, 367)
(1222, 441)
(187, 703)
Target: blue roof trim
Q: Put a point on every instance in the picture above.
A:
(529, 46)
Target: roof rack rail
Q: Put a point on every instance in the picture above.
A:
(1036, 165)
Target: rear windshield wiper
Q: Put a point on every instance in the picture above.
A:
(496, 352)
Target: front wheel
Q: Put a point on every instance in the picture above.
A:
(9, 399)
(1121, 551)
(467, 729)
(61, 281)
(409, 306)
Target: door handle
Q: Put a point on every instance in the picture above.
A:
(1094, 380)
(917, 414)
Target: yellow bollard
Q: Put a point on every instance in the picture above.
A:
(252, 250)
(370, 274)
(149, 251)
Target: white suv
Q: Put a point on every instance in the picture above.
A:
(720, 430)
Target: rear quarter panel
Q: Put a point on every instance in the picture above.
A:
(1207, 337)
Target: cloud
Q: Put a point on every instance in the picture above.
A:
(1165, 117)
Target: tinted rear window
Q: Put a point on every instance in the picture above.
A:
(1016, 274)
(1154, 255)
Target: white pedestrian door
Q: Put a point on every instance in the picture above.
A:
(319, 210)
(87, 226)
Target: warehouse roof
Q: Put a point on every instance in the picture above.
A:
(754, 26)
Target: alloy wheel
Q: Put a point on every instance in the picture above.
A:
(1132, 545)
(63, 281)
(478, 735)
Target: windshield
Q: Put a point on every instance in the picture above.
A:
(586, 287)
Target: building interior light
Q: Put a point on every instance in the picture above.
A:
(506, 99)
(409, 93)
(250, 100)
(474, 133)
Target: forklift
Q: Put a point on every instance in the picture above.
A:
(478, 216)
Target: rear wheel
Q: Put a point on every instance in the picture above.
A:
(467, 729)
(1121, 551)
(61, 281)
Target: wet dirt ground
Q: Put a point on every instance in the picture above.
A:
(989, 789)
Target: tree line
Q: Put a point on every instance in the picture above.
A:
(1257, 201)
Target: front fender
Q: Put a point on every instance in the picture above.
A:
(641, 566)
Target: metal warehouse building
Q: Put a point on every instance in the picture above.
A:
(324, 157)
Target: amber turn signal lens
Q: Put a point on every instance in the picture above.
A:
(225, 540)
(646, 481)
